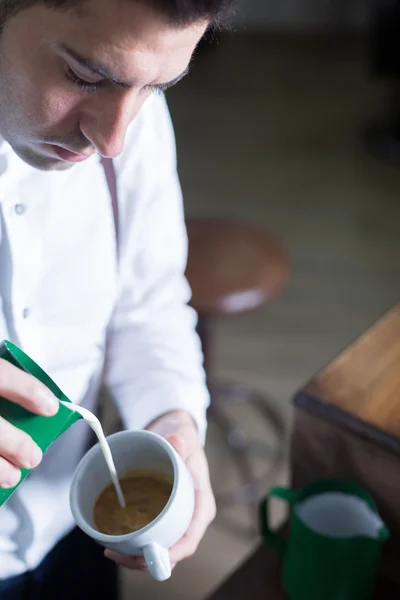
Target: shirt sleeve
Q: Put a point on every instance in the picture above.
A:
(154, 362)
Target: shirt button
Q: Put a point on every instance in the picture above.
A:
(20, 209)
(25, 313)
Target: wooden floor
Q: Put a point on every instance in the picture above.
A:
(270, 131)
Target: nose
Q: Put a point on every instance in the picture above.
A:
(105, 124)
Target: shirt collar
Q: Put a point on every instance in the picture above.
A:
(12, 168)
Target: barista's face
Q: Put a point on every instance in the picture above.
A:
(72, 81)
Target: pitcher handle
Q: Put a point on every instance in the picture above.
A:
(272, 538)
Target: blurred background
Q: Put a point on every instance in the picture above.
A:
(288, 122)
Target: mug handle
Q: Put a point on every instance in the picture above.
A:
(275, 540)
(157, 560)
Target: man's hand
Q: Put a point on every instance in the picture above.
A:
(17, 449)
(180, 430)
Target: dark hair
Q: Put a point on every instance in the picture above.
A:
(177, 12)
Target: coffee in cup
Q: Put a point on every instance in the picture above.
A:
(146, 495)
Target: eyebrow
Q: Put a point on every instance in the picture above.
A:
(106, 74)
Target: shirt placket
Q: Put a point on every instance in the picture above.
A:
(25, 248)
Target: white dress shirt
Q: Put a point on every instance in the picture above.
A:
(86, 317)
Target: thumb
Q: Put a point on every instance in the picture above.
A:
(178, 443)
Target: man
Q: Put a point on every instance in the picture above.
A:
(80, 80)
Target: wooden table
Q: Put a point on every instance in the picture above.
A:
(360, 389)
(347, 425)
(259, 579)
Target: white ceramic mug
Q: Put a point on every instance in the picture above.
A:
(136, 450)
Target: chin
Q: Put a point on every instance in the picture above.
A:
(38, 161)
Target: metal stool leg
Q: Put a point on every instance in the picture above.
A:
(252, 487)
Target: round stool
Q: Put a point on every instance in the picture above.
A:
(232, 268)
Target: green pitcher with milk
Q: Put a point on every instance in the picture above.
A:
(43, 430)
(333, 546)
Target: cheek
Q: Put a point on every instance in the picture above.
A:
(49, 106)
(41, 104)
(54, 106)
(39, 95)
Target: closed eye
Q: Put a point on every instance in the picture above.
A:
(95, 75)
(88, 86)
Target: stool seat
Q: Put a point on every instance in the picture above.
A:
(232, 266)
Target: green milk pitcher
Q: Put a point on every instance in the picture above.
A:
(43, 430)
(333, 546)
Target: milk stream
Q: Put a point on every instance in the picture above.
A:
(95, 424)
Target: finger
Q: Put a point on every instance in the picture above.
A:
(179, 444)
(135, 563)
(203, 516)
(17, 447)
(9, 475)
(27, 391)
